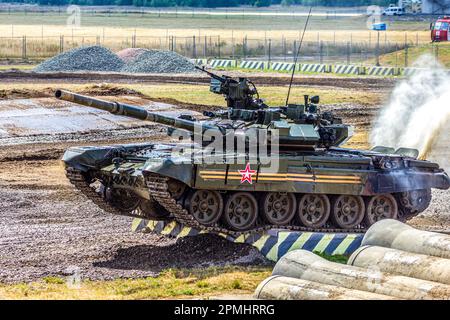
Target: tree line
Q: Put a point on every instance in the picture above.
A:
(207, 3)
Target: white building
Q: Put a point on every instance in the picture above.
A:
(436, 6)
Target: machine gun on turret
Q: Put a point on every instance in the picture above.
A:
(240, 94)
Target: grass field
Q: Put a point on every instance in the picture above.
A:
(397, 58)
(17, 66)
(221, 35)
(254, 27)
(153, 21)
(171, 284)
(200, 94)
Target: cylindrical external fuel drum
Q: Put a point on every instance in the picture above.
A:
(397, 235)
(305, 265)
(284, 288)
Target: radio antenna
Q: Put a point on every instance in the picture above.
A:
(297, 54)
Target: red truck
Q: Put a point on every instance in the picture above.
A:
(440, 31)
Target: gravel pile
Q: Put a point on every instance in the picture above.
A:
(130, 54)
(160, 62)
(92, 58)
(131, 60)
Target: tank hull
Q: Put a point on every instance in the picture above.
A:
(322, 190)
(327, 173)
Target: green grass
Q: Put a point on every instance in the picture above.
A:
(53, 280)
(336, 258)
(397, 58)
(200, 94)
(170, 284)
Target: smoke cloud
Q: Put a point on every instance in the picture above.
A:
(418, 114)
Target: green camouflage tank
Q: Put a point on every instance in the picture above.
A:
(252, 167)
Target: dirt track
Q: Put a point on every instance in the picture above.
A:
(274, 79)
(48, 229)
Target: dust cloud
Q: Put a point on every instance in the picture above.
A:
(418, 114)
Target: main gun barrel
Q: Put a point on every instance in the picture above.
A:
(123, 109)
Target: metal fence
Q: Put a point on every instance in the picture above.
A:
(281, 49)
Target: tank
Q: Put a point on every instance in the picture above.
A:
(283, 167)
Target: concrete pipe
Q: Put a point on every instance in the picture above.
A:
(284, 288)
(397, 235)
(403, 263)
(305, 265)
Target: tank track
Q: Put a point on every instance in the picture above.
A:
(158, 187)
(78, 180)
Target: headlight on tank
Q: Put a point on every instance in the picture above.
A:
(390, 164)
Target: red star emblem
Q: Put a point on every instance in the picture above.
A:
(247, 174)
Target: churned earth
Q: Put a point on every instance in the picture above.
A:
(48, 229)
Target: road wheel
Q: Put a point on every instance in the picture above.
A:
(411, 203)
(347, 211)
(278, 208)
(241, 211)
(205, 206)
(314, 210)
(380, 207)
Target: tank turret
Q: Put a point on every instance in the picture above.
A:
(289, 127)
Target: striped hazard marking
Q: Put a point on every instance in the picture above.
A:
(282, 66)
(222, 63)
(254, 65)
(348, 69)
(383, 71)
(318, 68)
(200, 62)
(273, 244)
(407, 72)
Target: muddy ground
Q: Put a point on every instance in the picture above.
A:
(48, 229)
